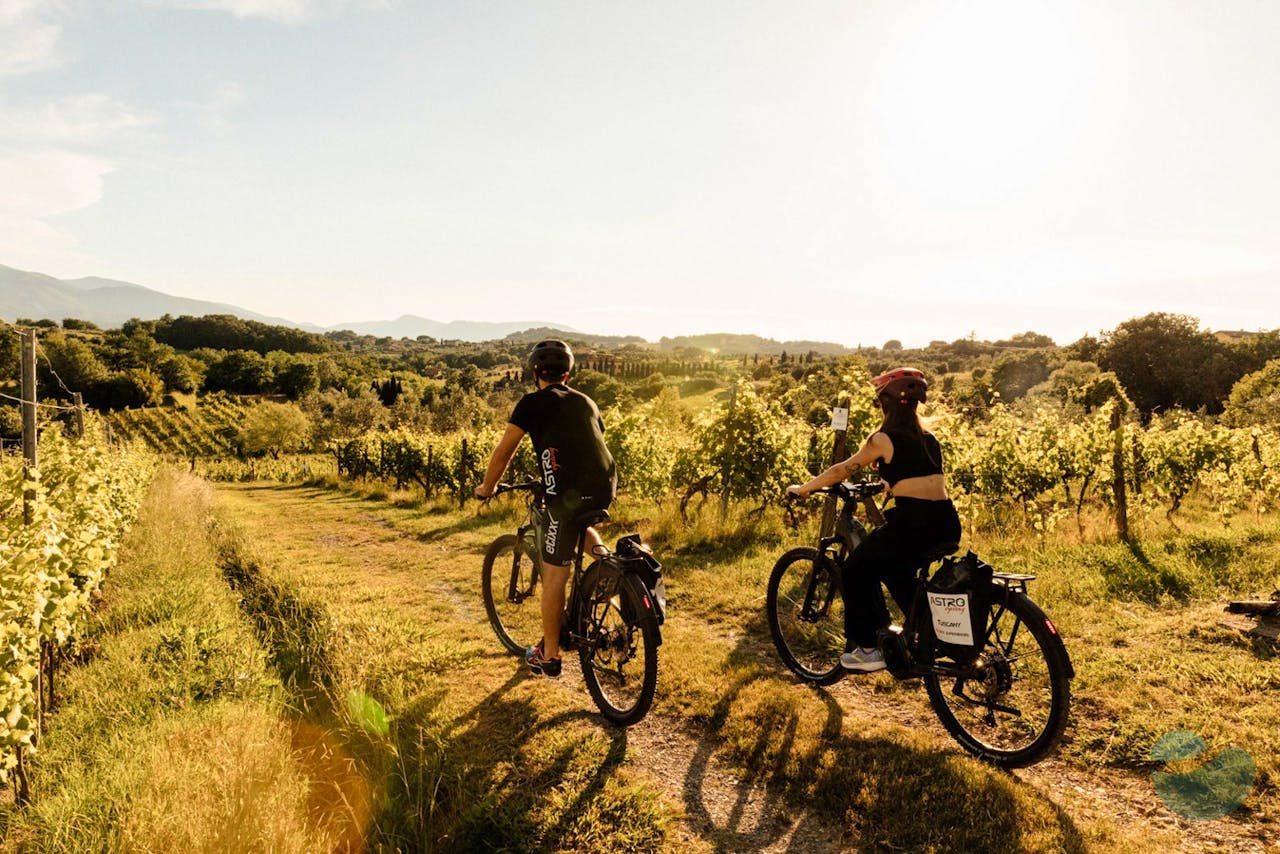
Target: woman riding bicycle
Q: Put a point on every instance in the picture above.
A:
(909, 460)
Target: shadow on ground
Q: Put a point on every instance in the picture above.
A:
(804, 771)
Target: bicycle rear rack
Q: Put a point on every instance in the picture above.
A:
(1015, 581)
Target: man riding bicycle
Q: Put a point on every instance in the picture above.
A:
(577, 473)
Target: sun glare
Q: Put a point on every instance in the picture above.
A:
(978, 99)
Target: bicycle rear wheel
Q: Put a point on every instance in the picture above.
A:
(806, 614)
(619, 650)
(511, 584)
(1012, 708)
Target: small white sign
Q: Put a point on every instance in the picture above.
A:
(840, 418)
(951, 621)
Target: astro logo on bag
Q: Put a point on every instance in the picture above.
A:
(951, 622)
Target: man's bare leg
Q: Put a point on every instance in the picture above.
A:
(554, 579)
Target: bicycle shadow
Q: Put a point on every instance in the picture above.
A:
(846, 790)
(757, 815)
(505, 513)
(482, 750)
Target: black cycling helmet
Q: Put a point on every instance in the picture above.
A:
(550, 359)
(902, 385)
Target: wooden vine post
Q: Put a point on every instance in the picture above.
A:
(1117, 473)
(462, 475)
(839, 424)
(29, 459)
(724, 475)
(28, 420)
(79, 402)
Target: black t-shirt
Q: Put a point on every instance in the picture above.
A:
(568, 438)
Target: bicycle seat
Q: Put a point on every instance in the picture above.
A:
(938, 552)
(590, 517)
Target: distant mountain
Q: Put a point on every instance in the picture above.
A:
(109, 303)
(411, 326)
(528, 336)
(106, 302)
(732, 343)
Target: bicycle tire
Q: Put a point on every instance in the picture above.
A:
(619, 649)
(809, 637)
(1028, 674)
(509, 582)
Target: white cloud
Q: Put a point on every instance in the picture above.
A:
(35, 187)
(46, 183)
(29, 36)
(73, 119)
(283, 11)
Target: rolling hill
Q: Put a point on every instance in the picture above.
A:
(109, 303)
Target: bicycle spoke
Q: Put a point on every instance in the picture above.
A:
(1010, 707)
(510, 587)
(806, 615)
(619, 654)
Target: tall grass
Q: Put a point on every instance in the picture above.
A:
(169, 734)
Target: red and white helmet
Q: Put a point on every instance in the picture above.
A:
(902, 384)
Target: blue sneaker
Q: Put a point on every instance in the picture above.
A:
(545, 666)
(863, 660)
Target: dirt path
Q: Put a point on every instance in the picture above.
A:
(721, 809)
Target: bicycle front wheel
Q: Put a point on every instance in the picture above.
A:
(511, 585)
(1011, 708)
(619, 650)
(806, 614)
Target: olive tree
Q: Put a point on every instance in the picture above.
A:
(274, 428)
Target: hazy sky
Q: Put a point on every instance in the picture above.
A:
(846, 171)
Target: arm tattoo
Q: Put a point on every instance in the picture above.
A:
(850, 469)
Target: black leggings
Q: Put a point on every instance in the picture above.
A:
(891, 554)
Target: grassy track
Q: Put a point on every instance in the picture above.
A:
(313, 671)
(478, 754)
(474, 755)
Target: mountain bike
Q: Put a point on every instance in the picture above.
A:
(1003, 695)
(613, 611)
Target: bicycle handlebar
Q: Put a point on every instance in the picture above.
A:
(849, 489)
(528, 485)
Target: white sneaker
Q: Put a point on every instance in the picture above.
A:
(863, 660)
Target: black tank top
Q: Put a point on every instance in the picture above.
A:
(912, 456)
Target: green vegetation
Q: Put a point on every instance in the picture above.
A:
(60, 526)
(1141, 625)
(360, 655)
(208, 429)
(171, 732)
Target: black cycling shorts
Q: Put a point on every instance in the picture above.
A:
(560, 533)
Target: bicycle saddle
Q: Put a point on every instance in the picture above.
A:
(938, 552)
(590, 517)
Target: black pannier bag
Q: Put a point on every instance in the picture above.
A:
(958, 597)
(635, 557)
